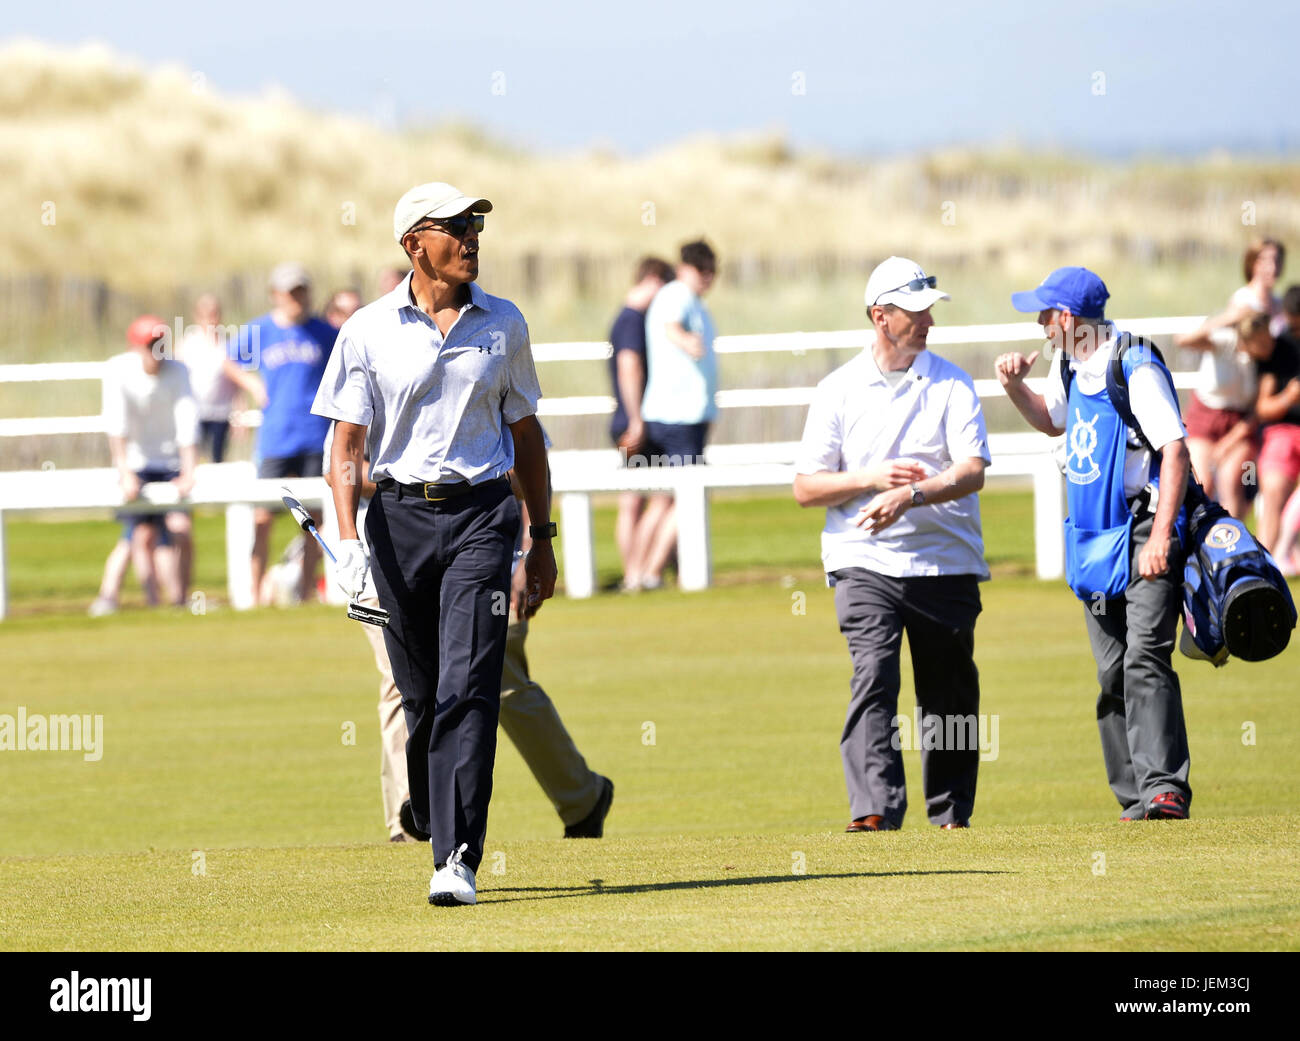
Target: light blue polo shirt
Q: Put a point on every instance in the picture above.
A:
(679, 389)
(437, 409)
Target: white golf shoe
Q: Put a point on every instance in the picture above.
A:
(453, 883)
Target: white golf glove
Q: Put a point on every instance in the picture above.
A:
(351, 566)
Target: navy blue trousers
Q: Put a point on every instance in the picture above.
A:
(442, 571)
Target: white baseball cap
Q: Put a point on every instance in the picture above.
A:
(434, 199)
(901, 282)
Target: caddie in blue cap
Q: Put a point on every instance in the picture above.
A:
(1122, 535)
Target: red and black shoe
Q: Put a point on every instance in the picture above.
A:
(871, 822)
(1168, 806)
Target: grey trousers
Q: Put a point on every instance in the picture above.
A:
(938, 614)
(1140, 707)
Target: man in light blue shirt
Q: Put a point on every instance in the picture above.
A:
(679, 346)
(679, 397)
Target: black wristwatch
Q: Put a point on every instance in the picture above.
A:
(542, 531)
(918, 496)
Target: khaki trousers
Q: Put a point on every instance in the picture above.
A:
(528, 716)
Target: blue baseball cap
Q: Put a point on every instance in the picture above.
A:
(1073, 289)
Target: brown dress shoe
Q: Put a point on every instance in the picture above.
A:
(872, 822)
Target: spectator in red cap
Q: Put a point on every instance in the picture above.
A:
(151, 420)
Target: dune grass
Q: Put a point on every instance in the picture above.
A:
(239, 184)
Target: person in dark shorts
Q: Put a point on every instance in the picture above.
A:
(290, 349)
(627, 376)
(679, 397)
(151, 419)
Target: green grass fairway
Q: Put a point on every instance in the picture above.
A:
(236, 804)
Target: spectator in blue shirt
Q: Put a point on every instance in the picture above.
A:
(289, 349)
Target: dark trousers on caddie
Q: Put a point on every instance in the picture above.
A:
(442, 571)
(1140, 707)
(938, 614)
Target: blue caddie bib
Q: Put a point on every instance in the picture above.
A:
(1100, 522)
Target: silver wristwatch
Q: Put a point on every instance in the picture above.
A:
(918, 496)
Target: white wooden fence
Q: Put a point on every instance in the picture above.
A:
(578, 475)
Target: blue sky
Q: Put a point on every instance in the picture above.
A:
(857, 78)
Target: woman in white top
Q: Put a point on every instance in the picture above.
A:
(1222, 429)
(1262, 266)
(214, 377)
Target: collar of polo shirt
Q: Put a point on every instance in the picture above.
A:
(401, 296)
(920, 366)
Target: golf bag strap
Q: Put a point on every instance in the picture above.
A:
(1117, 390)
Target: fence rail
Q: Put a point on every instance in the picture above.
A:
(594, 405)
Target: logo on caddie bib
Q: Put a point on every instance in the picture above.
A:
(1083, 442)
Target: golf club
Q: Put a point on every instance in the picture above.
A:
(361, 613)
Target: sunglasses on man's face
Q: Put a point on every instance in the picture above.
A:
(457, 227)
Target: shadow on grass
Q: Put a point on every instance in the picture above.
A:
(597, 887)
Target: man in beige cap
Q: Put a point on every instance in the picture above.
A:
(435, 382)
(895, 449)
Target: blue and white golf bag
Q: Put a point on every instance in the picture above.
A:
(1235, 600)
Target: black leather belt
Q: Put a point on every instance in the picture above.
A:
(436, 492)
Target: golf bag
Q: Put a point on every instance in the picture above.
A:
(1235, 600)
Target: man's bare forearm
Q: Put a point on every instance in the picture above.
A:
(963, 478)
(631, 383)
(1033, 407)
(530, 468)
(1175, 465)
(829, 488)
(117, 450)
(347, 458)
(689, 342)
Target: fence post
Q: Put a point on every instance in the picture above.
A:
(694, 561)
(1049, 518)
(579, 545)
(239, 554)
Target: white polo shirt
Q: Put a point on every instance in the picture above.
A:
(1150, 397)
(932, 417)
(436, 408)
